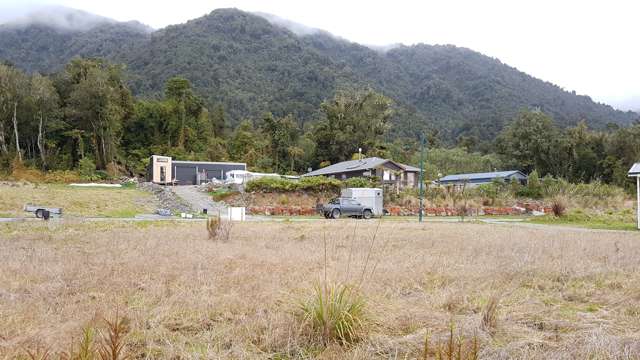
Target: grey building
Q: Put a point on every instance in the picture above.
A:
(165, 170)
(475, 179)
(388, 171)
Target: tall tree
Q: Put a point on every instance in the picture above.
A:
(12, 94)
(282, 134)
(352, 120)
(98, 103)
(46, 105)
(531, 142)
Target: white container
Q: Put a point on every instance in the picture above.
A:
(369, 197)
(236, 213)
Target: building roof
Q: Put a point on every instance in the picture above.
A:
(635, 170)
(347, 166)
(480, 176)
(409, 168)
(190, 162)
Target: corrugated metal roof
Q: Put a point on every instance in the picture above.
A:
(635, 170)
(346, 166)
(477, 176)
(409, 168)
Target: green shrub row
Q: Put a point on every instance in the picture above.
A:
(310, 184)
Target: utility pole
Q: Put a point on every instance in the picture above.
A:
(421, 184)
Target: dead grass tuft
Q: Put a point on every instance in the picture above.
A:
(218, 229)
(490, 315)
(455, 347)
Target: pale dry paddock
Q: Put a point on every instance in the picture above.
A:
(74, 201)
(562, 294)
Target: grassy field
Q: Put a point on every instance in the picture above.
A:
(610, 219)
(75, 201)
(521, 292)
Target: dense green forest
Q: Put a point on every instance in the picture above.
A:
(85, 117)
(249, 66)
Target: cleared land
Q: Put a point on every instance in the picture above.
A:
(562, 294)
(75, 201)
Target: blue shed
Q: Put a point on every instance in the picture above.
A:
(475, 179)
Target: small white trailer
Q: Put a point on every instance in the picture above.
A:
(369, 197)
(43, 212)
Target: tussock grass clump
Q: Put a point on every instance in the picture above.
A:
(490, 315)
(336, 313)
(559, 206)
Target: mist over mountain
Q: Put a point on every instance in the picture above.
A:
(252, 64)
(64, 19)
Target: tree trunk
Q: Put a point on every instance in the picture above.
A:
(15, 128)
(41, 149)
(3, 142)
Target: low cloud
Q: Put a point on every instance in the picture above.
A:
(294, 27)
(60, 17)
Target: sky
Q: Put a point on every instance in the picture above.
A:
(591, 47)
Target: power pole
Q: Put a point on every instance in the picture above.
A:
(421, 184)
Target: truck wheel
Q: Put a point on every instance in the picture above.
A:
(335, 214)
(326, 215)
(367, 214)
(39, 213)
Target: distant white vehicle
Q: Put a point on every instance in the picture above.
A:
(242, 176)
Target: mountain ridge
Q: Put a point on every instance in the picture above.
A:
(252, 65)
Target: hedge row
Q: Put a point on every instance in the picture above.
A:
(310, 184)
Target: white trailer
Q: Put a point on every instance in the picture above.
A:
(370, 197)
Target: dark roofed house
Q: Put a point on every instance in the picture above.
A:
(475, 179)
(388, 171)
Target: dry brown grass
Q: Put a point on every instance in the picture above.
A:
(564, 293)
(74, 201)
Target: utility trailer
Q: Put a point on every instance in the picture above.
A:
(369, 197)
(43, 212)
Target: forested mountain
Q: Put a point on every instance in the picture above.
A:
(251, 66)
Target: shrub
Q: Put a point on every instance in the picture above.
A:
(335, 313)
(86, 168)
(489, 191)
(533, 189)
(311, 184)
(270, 184)
(359, 182)
(320, 184)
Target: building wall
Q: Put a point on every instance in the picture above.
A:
(189, 172)
(158, 165)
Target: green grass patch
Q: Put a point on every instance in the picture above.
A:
(609, 220)
(221, 194)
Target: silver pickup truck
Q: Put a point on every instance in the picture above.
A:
(346, 207)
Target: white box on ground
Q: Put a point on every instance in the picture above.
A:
(370, 197)
(236, 213)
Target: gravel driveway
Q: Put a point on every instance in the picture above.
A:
(199, 200)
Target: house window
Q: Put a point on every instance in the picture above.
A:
(386, 175)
